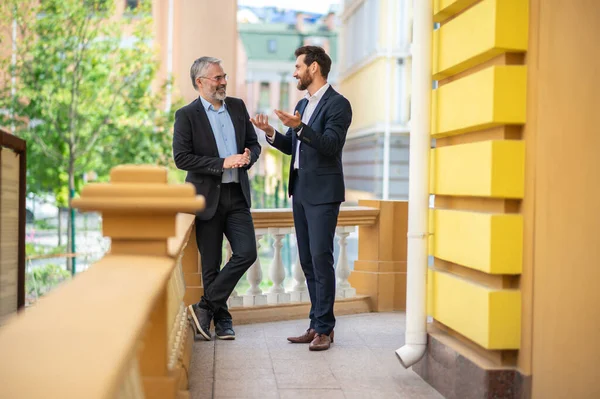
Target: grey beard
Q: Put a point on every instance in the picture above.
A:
(220, 97)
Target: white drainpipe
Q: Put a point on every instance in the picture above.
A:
(418, 188)
(388, 102)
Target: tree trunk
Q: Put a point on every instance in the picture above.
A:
(60, 226)
(70, 220)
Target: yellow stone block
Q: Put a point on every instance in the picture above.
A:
(491, 243)
(492, 97)
(494, 168)
(444, 9)
(489, 317)
(488, 29)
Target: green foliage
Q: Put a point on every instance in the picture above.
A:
(43, 224)
(43, 279)
(84, 98)
(259, 183)
(33, 249)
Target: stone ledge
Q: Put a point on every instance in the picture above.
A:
(456, 376)
(293, 311)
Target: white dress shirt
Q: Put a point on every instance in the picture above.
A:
(313, 101)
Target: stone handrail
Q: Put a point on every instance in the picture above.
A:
(120, 329)
(283, 217)
(278, 223)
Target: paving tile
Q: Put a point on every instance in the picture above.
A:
(233, 362)
(253, 373)
(311, 394)
(319, 380)
(300, 366)
(201, 388)
(372, 383)
(368, 394)
(265, 387)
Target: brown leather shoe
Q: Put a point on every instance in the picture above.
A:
(321, 342)
(305, 338)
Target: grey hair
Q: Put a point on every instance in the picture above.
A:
(199, 67)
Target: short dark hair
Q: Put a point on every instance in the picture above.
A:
(315, 54)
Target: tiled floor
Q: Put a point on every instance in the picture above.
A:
(260, 363)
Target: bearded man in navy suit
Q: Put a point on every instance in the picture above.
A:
(315, 138)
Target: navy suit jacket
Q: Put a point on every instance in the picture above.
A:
(195, 150)
(321, 143)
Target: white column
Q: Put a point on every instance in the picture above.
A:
(234, 299)
(342, 269)
(277, 293)
(299, 290)
(254, 296)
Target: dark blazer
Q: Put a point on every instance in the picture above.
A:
(322, 140)
(195, 150)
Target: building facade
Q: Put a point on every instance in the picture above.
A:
(375, 65)
(189, 29)
(513, 286)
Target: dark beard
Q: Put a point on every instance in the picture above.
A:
(304, 82)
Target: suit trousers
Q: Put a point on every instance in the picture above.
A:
(232, 218)
(315, 231)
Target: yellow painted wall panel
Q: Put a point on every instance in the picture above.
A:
(486, 30)
(510, 96)
(505, 326)
(444, 9)
(483, 169)
(488, 317)
(492, 97)
(491, 243)
(359, 89)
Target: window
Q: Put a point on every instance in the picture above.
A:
(264, 98)
(131, 5)
(284, 95)
(272, 45)
(361, 33)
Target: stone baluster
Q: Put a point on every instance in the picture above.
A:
(299, 290)
(342, 269)
(277, 292)
(254, 295)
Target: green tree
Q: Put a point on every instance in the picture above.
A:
(80, 90)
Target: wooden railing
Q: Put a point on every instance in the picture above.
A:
(12, 223)
(120, 329)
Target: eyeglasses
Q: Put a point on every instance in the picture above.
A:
(216, 78)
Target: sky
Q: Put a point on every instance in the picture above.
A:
(316, 6)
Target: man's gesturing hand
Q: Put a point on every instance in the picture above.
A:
(262, 122)
(289, 120)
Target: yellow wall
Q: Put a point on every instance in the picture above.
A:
(477, 172)
(546, 176)
(564, 144)
(366, 89)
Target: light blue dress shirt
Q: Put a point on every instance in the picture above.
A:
(224, 133)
